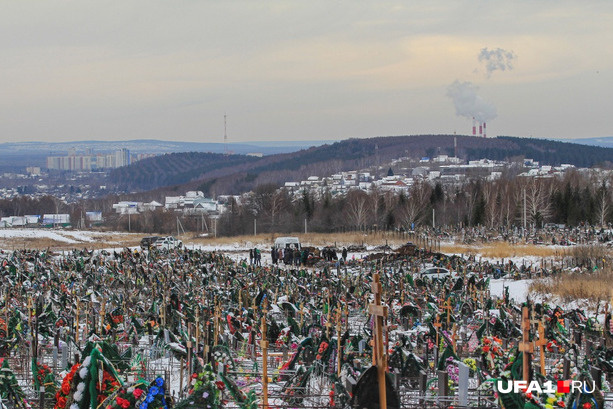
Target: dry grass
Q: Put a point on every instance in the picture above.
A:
(310, 239)
(503, 250)
(109, 240)
(568, 287)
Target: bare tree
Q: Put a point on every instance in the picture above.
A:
(492, 205)
(356, 208)
(538, 200)
(413, 208)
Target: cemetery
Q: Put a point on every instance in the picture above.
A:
(188, 328)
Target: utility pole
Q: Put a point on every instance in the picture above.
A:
(433, 220)
(305, 226)
(255, 227)
(225, 134)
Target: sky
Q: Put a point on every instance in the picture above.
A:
(303, 70)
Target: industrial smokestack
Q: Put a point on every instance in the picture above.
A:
(474, 127)
(484, 132)
(480, 129)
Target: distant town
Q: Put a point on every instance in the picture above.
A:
(83, 178)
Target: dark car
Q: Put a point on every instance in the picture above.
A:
(147, 242)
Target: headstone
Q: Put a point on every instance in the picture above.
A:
(64, 359)
(443, 384)
(463, 376)
(350, 383)
(361, 346)
(588, 349)
(597, 376)
(566, 368)
(423, 381)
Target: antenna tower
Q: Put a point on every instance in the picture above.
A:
(225, 134)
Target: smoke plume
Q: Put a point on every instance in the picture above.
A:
(497, 59)
(468, 103)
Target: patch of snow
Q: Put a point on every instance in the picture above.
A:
(518, 289)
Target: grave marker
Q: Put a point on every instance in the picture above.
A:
(379, 312)
(525, 345)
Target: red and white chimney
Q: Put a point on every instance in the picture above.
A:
(480, 129)
(484, 135)
(474, 127)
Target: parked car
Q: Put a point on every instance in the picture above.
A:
(287, 242)
(168, 243)
(147, 242)
(435, 272)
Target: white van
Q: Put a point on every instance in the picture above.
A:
(285, 242)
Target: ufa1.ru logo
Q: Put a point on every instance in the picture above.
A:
(567, 386)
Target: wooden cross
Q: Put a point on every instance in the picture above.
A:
(541, 342)
(102, 313)
(533, 320)
(216, 328)
(447, 307)
(437, 325)
(346, 317)
(379, 312)
(525, 345)
(328, 324)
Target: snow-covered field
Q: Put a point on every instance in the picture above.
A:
(63, 236)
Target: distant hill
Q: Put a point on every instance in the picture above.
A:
(219, 174)
(15, 156)
(605, 141)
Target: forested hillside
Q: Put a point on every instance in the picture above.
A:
(173, 169)
(217, 173)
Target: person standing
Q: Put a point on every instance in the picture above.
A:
(273, 255)
(258, 257)
(251, 254)
(344, 255)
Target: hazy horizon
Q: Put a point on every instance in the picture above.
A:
(115, 71)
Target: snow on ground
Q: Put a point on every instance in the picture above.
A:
(62, 236)
(518, 289)
(36, 234)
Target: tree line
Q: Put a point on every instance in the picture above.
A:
(573, 199)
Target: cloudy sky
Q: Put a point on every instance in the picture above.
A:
(283, 70)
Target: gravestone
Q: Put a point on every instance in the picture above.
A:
(64, 359)
(463, 375)
(443, 384)
(566, 368)
(597, 376)
(423, 381)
